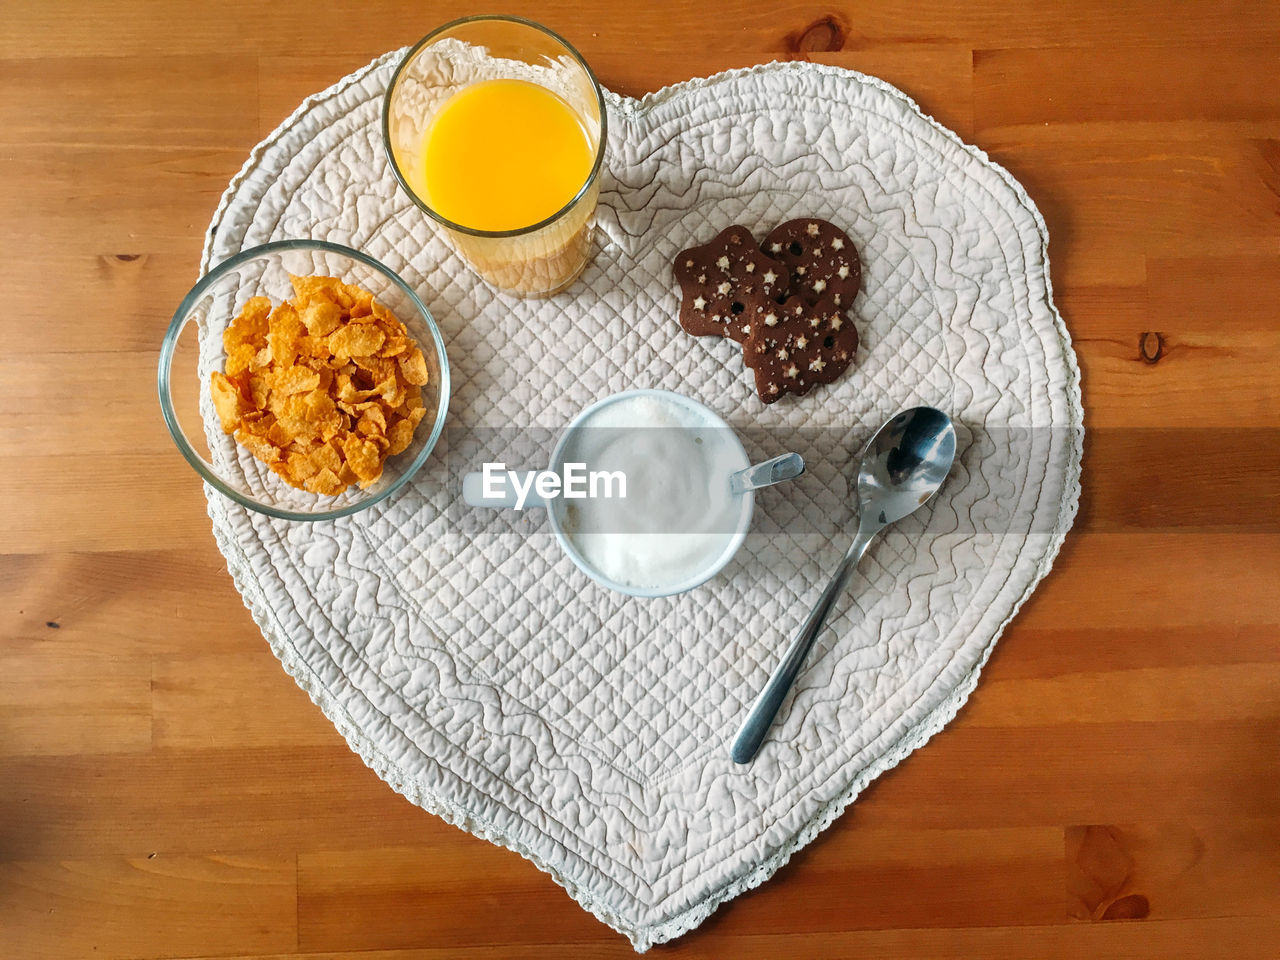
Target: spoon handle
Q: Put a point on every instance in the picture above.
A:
(786, 467)
(760, 718)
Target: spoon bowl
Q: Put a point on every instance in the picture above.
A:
(902, 466)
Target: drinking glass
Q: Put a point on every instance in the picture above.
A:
(538, 259)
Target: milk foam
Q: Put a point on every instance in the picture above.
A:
(678, 516)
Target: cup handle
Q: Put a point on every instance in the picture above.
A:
(473, 494)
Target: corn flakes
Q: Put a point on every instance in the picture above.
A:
(323, 388)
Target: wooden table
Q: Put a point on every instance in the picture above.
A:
(1111, 790)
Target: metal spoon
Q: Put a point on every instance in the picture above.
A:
(903, 465)
(766, 474)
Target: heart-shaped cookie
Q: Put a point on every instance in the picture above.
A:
(723, 282)
(820, 259)
(794, 345)
(482, 675)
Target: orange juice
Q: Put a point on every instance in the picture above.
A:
(504, 155)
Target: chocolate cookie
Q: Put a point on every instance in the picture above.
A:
(721, 281)
(795, 344)
(821, 261)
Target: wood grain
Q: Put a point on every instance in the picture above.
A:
(163, 905)
(1243, 938)
(1110, 791)
(409, 894)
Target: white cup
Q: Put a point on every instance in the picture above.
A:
(473, 493)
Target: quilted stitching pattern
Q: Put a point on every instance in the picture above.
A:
(490, 681)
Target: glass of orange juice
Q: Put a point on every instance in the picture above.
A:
(496, 126)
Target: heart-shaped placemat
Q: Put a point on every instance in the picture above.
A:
(479, 673)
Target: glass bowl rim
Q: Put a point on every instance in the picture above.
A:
(592, 177)
(179, 321)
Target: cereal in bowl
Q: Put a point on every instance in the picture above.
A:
(322, 388)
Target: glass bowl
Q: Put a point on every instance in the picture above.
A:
(192, 349)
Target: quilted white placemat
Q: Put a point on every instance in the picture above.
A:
(486, 679)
